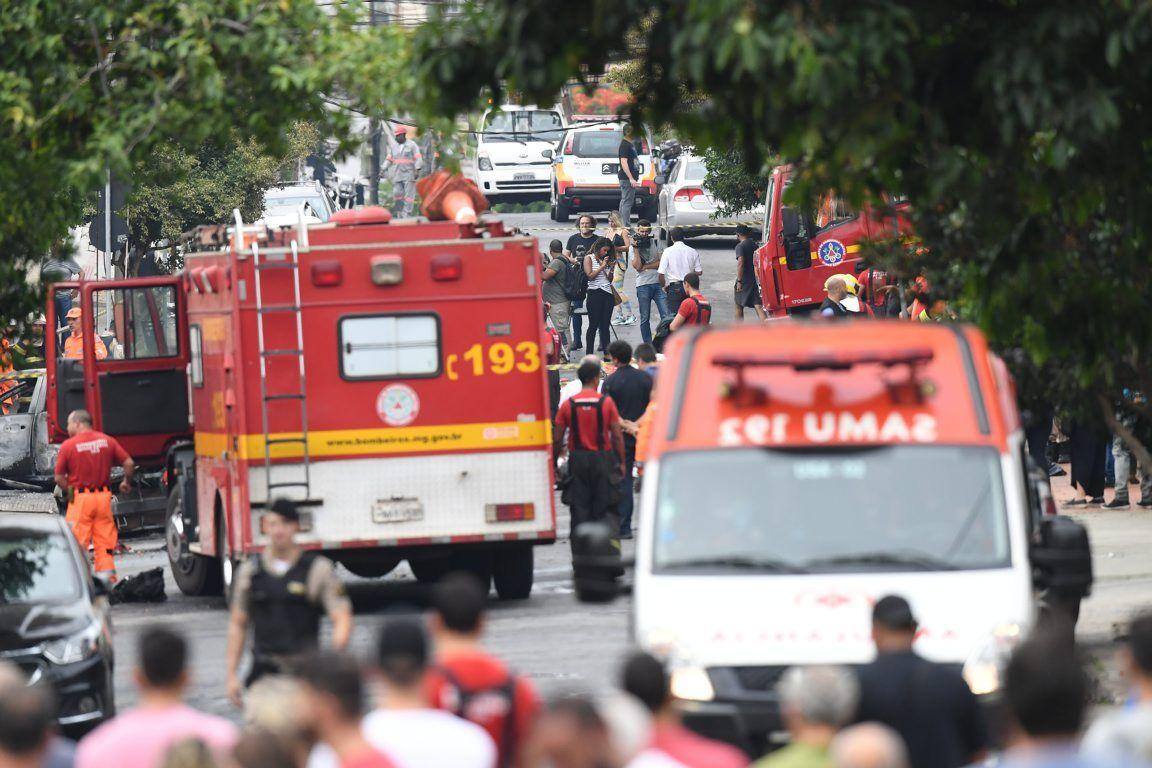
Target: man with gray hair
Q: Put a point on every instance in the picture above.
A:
(815, 703)
(869, 745)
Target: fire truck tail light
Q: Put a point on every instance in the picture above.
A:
(327, 274)
(509, 513)
(387, 270)
(447, 266)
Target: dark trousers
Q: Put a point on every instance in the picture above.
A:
(577, 321)
(627, 499)
(1036, 436)
(600, 304)
(593, 491)
(1089, 445)
(676, 296)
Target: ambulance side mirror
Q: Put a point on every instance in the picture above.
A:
(1062, 557)
(596, 563)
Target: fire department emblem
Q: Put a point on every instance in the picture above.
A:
(831, 252)
(398, 405)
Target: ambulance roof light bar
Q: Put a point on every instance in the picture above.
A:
(828, 359)
(906, 391)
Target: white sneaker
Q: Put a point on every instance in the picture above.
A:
(619, 321)
(630, 320)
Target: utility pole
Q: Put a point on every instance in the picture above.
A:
(373, 134)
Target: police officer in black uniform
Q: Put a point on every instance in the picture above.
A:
(283, 593)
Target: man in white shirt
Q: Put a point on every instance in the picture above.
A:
(677, 261)
(405, 727)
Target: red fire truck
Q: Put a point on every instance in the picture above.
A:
(385, 375)
(802, 249)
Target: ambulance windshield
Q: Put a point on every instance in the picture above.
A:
(877, 509)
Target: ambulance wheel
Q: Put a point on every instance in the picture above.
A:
(429, 570)
(560, 212)
(512, 572)
(194, 574)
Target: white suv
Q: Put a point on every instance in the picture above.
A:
(584, 173)
(514, 152)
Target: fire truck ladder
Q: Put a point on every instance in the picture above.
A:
(261, 265)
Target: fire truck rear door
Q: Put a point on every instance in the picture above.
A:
(139, 392)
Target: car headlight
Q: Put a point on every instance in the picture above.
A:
(691, 684)
(984, 666)
(73, 648)
(484, 163)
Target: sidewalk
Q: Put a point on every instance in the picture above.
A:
(1122, 561)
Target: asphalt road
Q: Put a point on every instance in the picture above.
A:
(564, 645)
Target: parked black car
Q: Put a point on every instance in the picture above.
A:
(54, 617)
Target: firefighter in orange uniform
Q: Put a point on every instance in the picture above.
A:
(83, 468)
(74, 344)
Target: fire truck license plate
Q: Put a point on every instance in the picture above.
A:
(397, 511)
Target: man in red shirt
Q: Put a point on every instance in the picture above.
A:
(694, 310)
(334, 698)
(595, 447)
(468, 681)
(83, 468)
(644, 677)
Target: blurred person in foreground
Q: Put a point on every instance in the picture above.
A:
(928, 704)
(1127, 732)
(405, 726)
(570, 733)
(1046, 694)
(869, 745)
(334, 695)
(815, 702)
(28, 724)
(468, 681)
(141, 736)
(276, 709)
(644, 677)
(261, 748)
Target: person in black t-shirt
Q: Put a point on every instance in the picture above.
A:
(747, 290)
(929, 704)
(631, 389)
(578, 245)
(629, 174)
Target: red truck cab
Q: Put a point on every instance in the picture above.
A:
(802, 249)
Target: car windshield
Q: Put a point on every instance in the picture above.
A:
(524, 125)
(36, 566)
(284, 205)
(888, 508)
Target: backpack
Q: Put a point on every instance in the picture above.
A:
(575, 281)
(703, 312)
(465, 697)
(660, 335)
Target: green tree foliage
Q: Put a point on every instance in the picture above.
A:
(178, 189)
(86, 84)
(729, 179)
(1018, 129)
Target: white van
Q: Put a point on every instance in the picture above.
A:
(513, 157)
(791, 480)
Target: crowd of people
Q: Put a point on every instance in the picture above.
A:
(430, 695)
